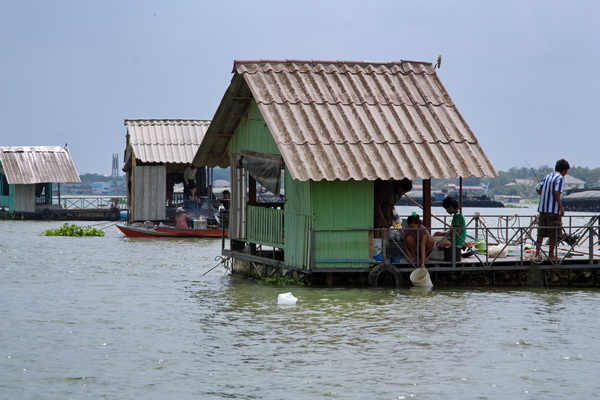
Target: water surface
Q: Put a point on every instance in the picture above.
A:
(123, 318)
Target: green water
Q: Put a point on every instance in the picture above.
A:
(120, 318)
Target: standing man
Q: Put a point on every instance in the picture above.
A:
(387, 194)
(550, 208)
(189, 182)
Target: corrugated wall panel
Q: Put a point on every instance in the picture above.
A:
(150, 193)
(24, 198)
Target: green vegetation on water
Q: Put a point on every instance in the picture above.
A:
(283, 281)
(74, 230)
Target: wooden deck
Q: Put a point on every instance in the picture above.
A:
(578, 263)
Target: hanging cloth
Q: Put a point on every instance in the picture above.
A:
(267, 172)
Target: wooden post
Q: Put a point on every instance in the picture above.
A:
(252, 202)
(427, 202)
(460, 193)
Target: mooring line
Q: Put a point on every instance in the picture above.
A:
(222, 260)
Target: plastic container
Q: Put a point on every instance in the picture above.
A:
(499, 251)
(420, 277)
(286, 299)
(377, 245)
(200, 223)
(437, 254)
(480, 246)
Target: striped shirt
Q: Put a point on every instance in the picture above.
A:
(551, 183)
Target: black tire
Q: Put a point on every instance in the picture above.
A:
(114, 214)
(384, 267)
(47, 214)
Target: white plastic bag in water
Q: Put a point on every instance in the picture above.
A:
(286, 298)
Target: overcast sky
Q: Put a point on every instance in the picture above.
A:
(524, 74)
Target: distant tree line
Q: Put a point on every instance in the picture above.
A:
(91, 178)
(497, 186)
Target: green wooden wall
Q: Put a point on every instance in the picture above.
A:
(343, 211)
(7, 193)
(298, 220)
(252, 134)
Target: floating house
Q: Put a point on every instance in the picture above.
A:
(154, 149)
(582, 200)
(572, 183)
(317, 135)
(26, 177)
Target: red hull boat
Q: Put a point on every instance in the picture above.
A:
(166, 231)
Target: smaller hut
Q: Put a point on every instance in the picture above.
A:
(27, 174)
(157, 153)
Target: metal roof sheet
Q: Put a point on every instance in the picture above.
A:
(165, 140)
(584, 195)
(351, 120)
(38, 164)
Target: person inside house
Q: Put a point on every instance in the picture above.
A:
(418, 242)
(225, 200)
(224, 205)
(173, 178)
(387, 194)
(189, 182)
(182, 218)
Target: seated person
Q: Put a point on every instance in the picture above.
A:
(458, 224)
(423, 244)
(182, 218)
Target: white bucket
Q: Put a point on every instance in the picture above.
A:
(420, 277)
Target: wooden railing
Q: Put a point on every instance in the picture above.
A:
(265, 226)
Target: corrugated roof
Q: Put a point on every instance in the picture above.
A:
(351, 120)
(38, 164)
(572, 180)
(593, 194)
(165, 140)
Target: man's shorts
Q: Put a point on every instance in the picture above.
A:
(547, 222)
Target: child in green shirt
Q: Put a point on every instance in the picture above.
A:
(458, 224)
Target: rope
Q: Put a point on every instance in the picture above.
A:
(222, 261)
(102, 223)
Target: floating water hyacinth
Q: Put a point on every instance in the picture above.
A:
(74, 230)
